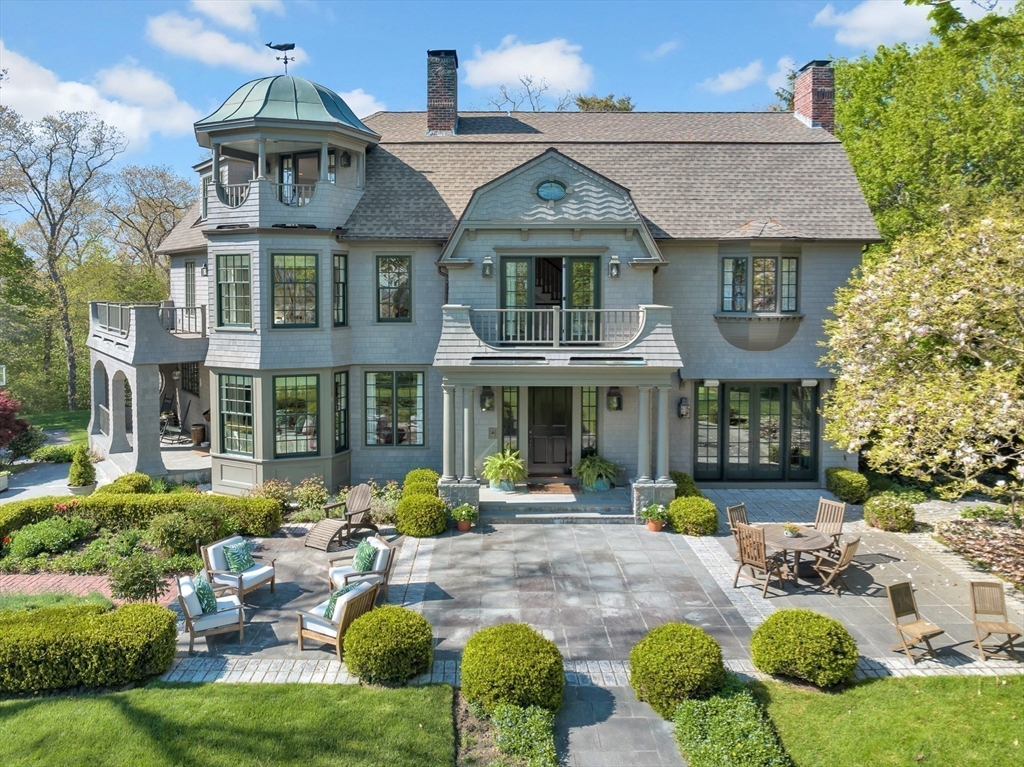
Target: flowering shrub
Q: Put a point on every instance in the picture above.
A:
(311, 493)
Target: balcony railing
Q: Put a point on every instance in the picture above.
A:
(184, 320)
(295, 195)
(233, 195)
(115, 319)
(556, 327)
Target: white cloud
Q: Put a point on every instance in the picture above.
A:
(876, 22)
(237, 14)
(780, 77)
(133, 99)
(557, 62)
(661, 51)
(362, 103)
(735, 79)
(190, 39)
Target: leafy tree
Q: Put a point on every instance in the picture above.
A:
(595, 103)
(10, 424)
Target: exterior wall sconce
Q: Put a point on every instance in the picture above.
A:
(613, 267)
(346, 160)
(683, 408)
(711, 383)
(808, 383)
(488, 268)
(487, 399)
(614, 399)
(203, 270)
(176, 374)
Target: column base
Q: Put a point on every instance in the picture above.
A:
(455, 493)
(646, 493)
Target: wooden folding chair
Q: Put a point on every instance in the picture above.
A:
(829, 521)
(752, 554)
(736, 515)
(918, 631)
(831, 570)
(987, 602)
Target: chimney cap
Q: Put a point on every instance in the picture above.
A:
(815, 63)
(445, 54)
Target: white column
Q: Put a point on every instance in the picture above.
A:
(323, 161)
(663, 422)
(468, 448)
(643, 460)
(448, 439)
(261, 171)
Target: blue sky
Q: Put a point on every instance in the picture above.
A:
(153, 68)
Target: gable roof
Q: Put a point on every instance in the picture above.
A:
(187, 233)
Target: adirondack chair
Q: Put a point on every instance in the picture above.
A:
(330, 529)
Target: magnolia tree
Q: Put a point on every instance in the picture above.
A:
(928, 345)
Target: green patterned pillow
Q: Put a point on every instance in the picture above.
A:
(204, 591)
(366, 552)
(239, 557)
(329, 610)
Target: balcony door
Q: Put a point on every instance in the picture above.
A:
(190, 290)
(299, 174)
(531, 285)
(550, 430)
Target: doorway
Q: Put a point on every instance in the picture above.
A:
(550, 430)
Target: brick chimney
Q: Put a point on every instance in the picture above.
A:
(442, 93)
(813, 95)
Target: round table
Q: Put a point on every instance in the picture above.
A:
(808, 540)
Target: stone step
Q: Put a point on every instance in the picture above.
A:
(556, 513)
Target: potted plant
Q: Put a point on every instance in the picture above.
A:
(4, 477)
(595, 473)
(82, 476)
(655, 515)
(790, 530)
(464, 517)
(503, 470)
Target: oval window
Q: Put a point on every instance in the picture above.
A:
(551, 190)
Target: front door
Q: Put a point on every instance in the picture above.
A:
(550, 430)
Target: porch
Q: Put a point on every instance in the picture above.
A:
(556, 502)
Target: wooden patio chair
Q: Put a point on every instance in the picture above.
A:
(831, 569)
(357, 510)
(917, 631)
(987, 603)
(348, 607)
(829, 521)
(170, 431)
(329, 529)
(753, 555)
(342, 575)
(216, 564)
(229, 615)
(736, 515)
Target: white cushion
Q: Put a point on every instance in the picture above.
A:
(324, 626)
(336, 573)
(188, 596)
(217, 619)
(217, 558)
(383, 552)
(251, 577)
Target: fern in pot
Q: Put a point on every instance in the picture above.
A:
(503, 470)
(595, 473)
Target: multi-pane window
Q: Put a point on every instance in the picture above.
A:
(340, 304)
(734, 284)
(510, 417)
(236, 414)
(588, 419)
(295, 290)
(394, 408)
(763, 293)
(296, 421)
(707, 428)
(787, 282)
(394, 292)
(772, 284)
(234, 306)
(340, 411)
(190, 377)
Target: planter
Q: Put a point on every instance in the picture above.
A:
(3, 481)
(503, 486)
(655, 525)
(790, 535)
(463, 525)
(81, 489)
(602, 485)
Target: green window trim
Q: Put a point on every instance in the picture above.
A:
(510, 417)
(588, 418)
(295, 290)
(394, 288)
(234, 290)
(395, 408)
(760, 284)
(235, 410)
(296, 416)
(339, 307)
(341, 430)
(190, 377)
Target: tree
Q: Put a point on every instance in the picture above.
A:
(529, 94)
(51, 170)
(10, 424)
(595, 103)
(928, 345)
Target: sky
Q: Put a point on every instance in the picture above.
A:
(154, 68)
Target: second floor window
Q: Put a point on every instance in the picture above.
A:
(759, 284)
(295, 290)
(394, 291)
(340, 283)
(233, 291)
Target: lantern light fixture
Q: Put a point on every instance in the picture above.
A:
(203, 271)
(346, 160)
(487, 399)
(614, 399)
(613, 267)
(683, 408)
(488, 267)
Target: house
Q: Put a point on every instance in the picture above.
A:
(354, 298)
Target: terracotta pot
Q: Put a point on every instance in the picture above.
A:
(463, 525)
(655, 525)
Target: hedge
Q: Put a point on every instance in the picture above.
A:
(389, 644)
(805, 645)
(674, 662)
(846, 485)
(512, 663)
(54, 453)
(127, 484)
(685, 486)
(693, 515)
(59, 647)
(892, 511)
(421, 516)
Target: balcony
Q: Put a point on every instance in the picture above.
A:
(142, 334)
(600, 328)
(263, 203)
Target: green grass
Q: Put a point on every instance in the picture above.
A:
(217, 724)
(75, 421)
(13, 600)
(928, 721)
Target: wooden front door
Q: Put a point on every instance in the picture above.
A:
(550, 430)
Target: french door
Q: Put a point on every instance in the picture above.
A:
(527, 291)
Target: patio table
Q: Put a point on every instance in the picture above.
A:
(808, 540)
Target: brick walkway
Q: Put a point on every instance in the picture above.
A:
(81, 585)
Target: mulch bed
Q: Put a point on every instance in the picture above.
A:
(998, 546)
(476, 740)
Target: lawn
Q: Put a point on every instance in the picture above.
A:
(75, 421)
(931, 721)
(266, 725)
(13, 600)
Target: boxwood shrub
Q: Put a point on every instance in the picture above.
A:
(846, 485)
(136, 482)
(674, 662)
(54, 648)
(389, 644)
(693, 515)
(54, 453)
(512, 663)
(806, 645)
(892, 511)
(685, 486)
(421, 487)
(527, 733)
(421, 475)
(421, 515)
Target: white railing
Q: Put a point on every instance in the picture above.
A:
(556, 327)
(295, 195)
(115, 319)
(233, 195)
(104, 419)
(184, 320)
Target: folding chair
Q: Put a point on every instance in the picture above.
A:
(988, 601)
(918, 631)
(831, 570)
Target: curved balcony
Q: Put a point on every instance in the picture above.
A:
(233, 195)
(599, 328)
(148, 333)
(265, 203)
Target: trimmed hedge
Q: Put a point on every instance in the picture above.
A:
(512, 663)
(846, 485)
(685, 486)
(674, 662)
(528, 733)
(421, 475)
(892, 511)
(806, 645)
(54, 453)
(389, 644)
(55, 648)
(126, 484)
(421, 515)
(421, 487)
(693, 515)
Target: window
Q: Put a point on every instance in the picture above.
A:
(190, 377)
(510, 417)
(332, 166)
(295, 291)
(296, 421)
(340, 308)
(588, 420)
(236, 414)
(734, 284)
(340, 411)
(707, 430)
(394, 294)
(190, 284)
(234, 306)
(772, 288)
(788, 284)
(763, 294)
(394, 408)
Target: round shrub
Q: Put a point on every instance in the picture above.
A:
(421, 516)
(389, 644)
(421, 475)
(419, 488)
(805, 645)
(890, 511)
(685, 486)
(674, 662)
(846, 485)
(512, 663)
(127, 484)
(693, 515)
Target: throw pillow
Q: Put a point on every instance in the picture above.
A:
(366, 552)
(239, 557)
(204, 591)
(329, 610)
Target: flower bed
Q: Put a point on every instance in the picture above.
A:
(997, 545)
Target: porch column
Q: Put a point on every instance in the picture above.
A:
(216, 163)
(663, 421)
(262, 169)
(468, 451)
(643, 460)
(323, 161)
(448, 439)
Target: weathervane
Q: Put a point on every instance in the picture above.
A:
(283, 47)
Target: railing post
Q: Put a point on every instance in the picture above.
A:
(556, 329)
